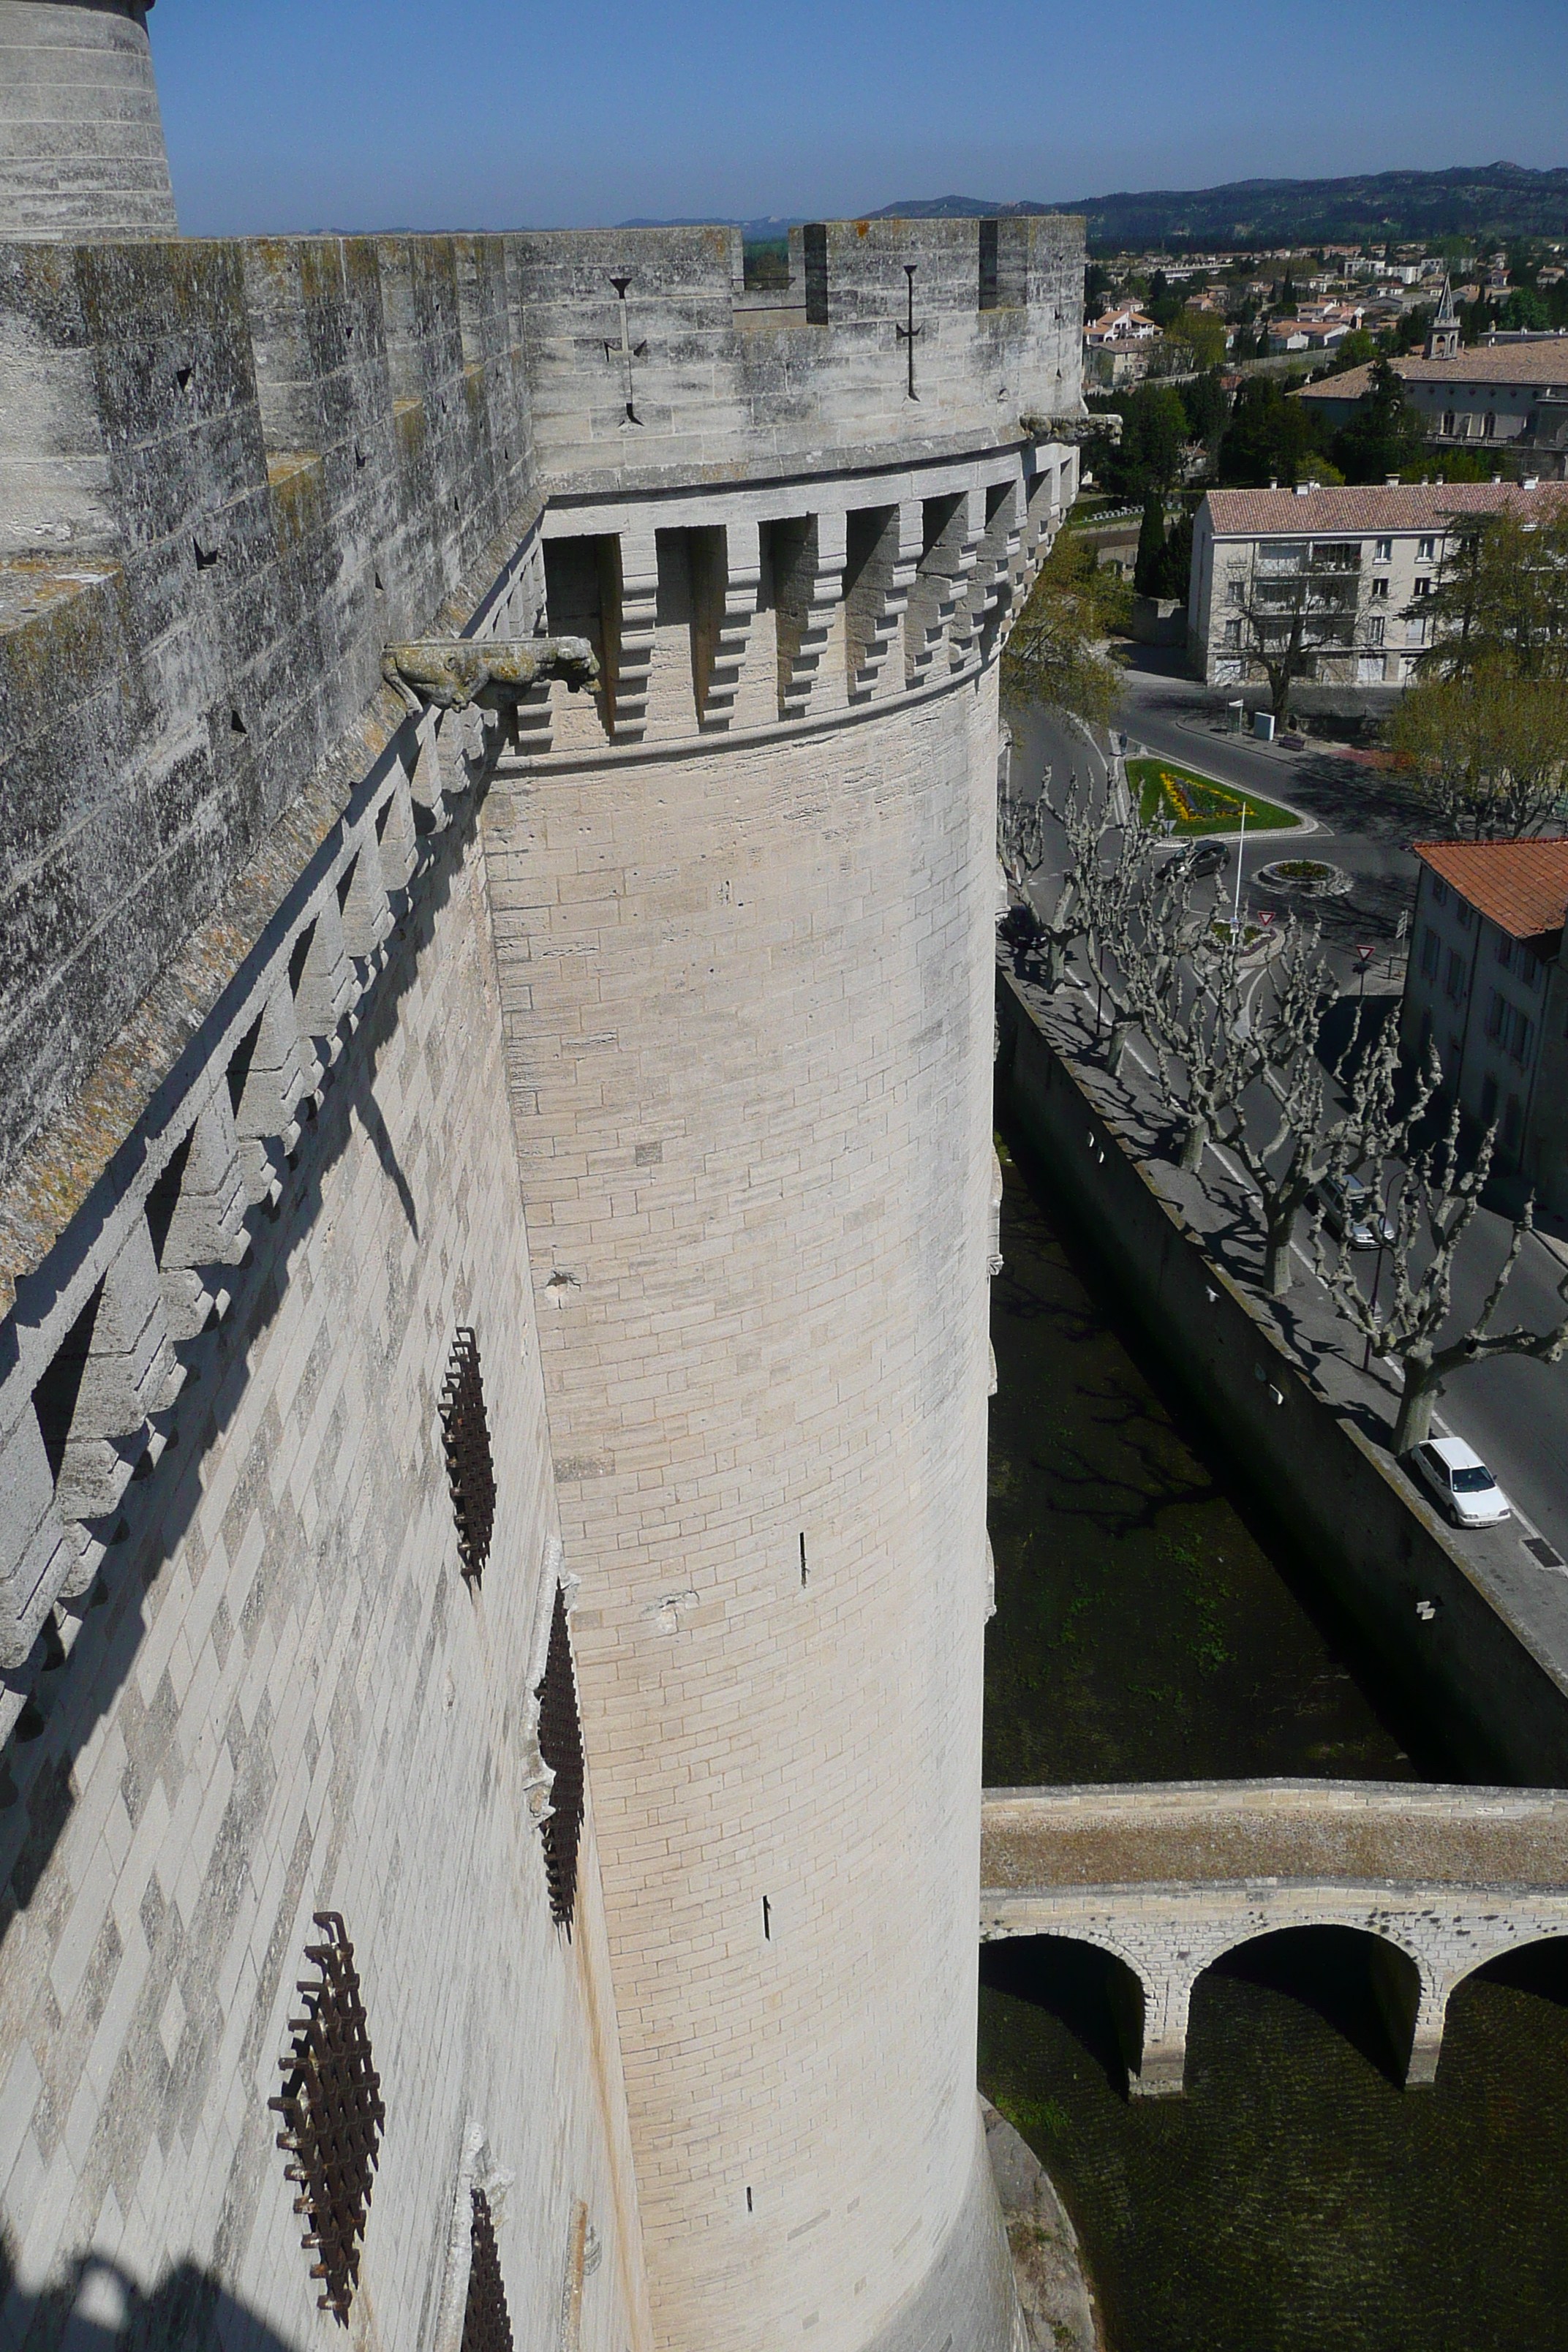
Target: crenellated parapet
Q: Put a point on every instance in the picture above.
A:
(650, 364)
(232, 471)
(237, 472)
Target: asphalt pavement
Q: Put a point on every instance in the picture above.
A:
(1513, 1411)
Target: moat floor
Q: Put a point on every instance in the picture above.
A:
(1142, 1631)
(1297, 2198)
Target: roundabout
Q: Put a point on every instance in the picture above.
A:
(1303, 878)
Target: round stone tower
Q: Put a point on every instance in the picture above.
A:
(744, 905)
(81, 140)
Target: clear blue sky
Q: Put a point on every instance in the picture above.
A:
(314, 114)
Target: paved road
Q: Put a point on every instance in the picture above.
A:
(1514, 1413)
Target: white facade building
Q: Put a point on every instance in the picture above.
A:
(1393, 538)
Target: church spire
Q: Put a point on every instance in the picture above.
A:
(1443, 339)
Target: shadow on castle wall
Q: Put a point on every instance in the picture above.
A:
(95, 2307)
(71, 1692)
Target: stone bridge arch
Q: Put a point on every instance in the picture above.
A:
(1170, 1878)
(1168, 1947)
(1129, 1991)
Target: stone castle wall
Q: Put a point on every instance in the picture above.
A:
(283, 1698)
(211, 456)
(737, 1039)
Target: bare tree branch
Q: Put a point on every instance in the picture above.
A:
(1437, 1206)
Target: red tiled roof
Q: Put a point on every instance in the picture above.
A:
(1411, 506)
(1545, 363)
(1521, 885)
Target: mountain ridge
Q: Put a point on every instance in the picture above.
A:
(1502, 200)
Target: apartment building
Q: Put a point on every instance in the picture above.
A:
(1358, 558)
(1486, 989)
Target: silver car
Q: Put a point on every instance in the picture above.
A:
(1349, 1211)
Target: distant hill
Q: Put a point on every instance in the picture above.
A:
(1501, 200)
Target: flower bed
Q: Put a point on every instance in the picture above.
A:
(1196, 804)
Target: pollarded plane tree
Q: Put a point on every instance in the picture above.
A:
(1085, 821)
(1438, 1198)
(1284, 1134)
(1138, 932)
(1205, 1028)
(1253, 1082)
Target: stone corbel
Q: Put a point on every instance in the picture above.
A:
(281, 1072)
(637, 620)
(900, 563)
(206, 1227)
(741, 588)
(968, 590)
(128, 1375)
(808, 683)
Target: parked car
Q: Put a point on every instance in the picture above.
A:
(1462, 1483)
(1349, 1210)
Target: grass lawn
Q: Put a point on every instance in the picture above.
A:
(1197, 805)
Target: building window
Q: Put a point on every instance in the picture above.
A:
(1380, 590)
(1375, 629)
(1384, 552)
(1422, 588)
(487, 2323)
(561, 1745)
(1464, 915)
(1429, 953)
(1454, 984)
(333, 2115)
(1233, 636)
(1513, 1031)
(1425, 550)
(1448, 423)
(470, 1472)
(1439, 891)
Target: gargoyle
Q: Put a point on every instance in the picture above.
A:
(1075, 426)
(493, 673)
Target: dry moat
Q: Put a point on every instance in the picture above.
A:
(1153, 1623)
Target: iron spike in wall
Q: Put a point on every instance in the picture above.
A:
(561, 1745)
(333, 2115)
(487, 2323)
(469, 1464)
